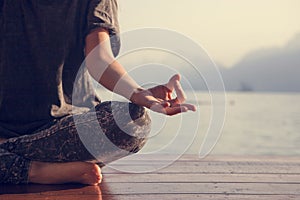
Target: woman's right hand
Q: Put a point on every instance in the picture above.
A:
(159, 98)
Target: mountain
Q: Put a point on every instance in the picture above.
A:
(266, 70)
(273, 70)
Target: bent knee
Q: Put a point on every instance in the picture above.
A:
(128, 127)
(135, 130)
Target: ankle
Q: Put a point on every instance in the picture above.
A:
(35, 171)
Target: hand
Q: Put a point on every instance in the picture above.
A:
(159, 98)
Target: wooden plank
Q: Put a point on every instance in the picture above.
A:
(40, 188)
(202, 196)
(182, 188)
(203, 188)
(181, 162)
(201, 178)
(212, 158)
(152, 196)
(209, 167)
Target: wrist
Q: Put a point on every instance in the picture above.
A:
(135, 94)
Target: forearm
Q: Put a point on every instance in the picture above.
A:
(103, 67)
(116, 79)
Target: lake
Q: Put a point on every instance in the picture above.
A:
(254, 124)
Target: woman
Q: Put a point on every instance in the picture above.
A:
(43, 44)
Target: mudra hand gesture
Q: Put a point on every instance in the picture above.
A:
(159, 98)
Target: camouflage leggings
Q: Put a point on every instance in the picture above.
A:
(122, 131)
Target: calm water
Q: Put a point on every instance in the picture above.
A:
(255, 124)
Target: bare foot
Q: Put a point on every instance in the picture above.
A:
(58, 173)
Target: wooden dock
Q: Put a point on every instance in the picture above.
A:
(212, 178)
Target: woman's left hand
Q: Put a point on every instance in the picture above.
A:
(159, 98)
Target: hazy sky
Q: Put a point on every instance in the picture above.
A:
(228, 29)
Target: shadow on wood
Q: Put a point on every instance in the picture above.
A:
(61, 192)
(35, 188)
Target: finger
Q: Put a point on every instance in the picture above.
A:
(171, 84)
(190, 107)
(175, 110)
(168, 110)
(165, 104)
(169, 95)
(179, 92)
(174, 83)
(175, 103)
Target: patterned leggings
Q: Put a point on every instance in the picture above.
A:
(113, 130)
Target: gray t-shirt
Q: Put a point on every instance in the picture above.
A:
(42, 48)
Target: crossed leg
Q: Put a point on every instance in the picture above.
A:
(59, 154)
